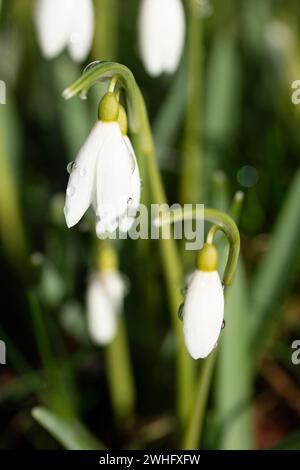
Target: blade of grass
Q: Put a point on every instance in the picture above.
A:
(169, 117)
(233, 390)
(11, 224)
(71, 434)
(57, 380)
(276, 269)
(120, 377)
(74, 115)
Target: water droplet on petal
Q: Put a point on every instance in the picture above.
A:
(82, 171)
(71, 191)
(184, 291)
(130, 201)
(216, 345)
(71, 166)
(92, 65)
(223, 325)
(180, 311)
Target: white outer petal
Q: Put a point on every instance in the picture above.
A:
(135, 192)
(203, 313)
(114, 286)
(105, 295)
(82, 29)
(161, 27)
(174, 34)
(81, 185)
(114, 172)
(150, 37)
(53, 21)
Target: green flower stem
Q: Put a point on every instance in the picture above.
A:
(105, 43)
(120, 376)
(191, 168)
(194, 428)
(222, 221)
(118, 365)
(140, 128)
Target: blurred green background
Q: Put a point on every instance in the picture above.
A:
(247, 131)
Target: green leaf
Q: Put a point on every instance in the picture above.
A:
(72, 434)
(234, 377)
(233, 390)
(74, 115)
(170, 116)
(276, 269)
(222, 94)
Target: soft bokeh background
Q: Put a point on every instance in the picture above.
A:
(250, 141)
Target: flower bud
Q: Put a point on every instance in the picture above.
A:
(108, 108)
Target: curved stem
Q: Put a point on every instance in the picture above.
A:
(212, 232)
(223, 222)
(138, 119)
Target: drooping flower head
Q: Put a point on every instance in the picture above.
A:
(105, 295)
(105, 173)
(161, 35)
(203, 310)
(65, 23)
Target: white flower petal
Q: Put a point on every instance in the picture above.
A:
(114, 172)
(53, 20)
(135, 193)
(174, 35)
(80, 190)
(150, 25)
(82, 29)
(105, 226)
(161, 34)
(105, 296)
(114, 286)
(203, 313)
(101, 314)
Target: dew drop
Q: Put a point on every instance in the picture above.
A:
(130, 201)
(71, 166)
(216, 345)
(184, 291)
(223, 325)
(180, 311)
(92, 65)
(71, 191)
(82, 171)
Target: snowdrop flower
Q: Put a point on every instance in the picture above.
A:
(65, 23)
(105, 174)
(161, 35)
(105, 295)
(203, 309)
